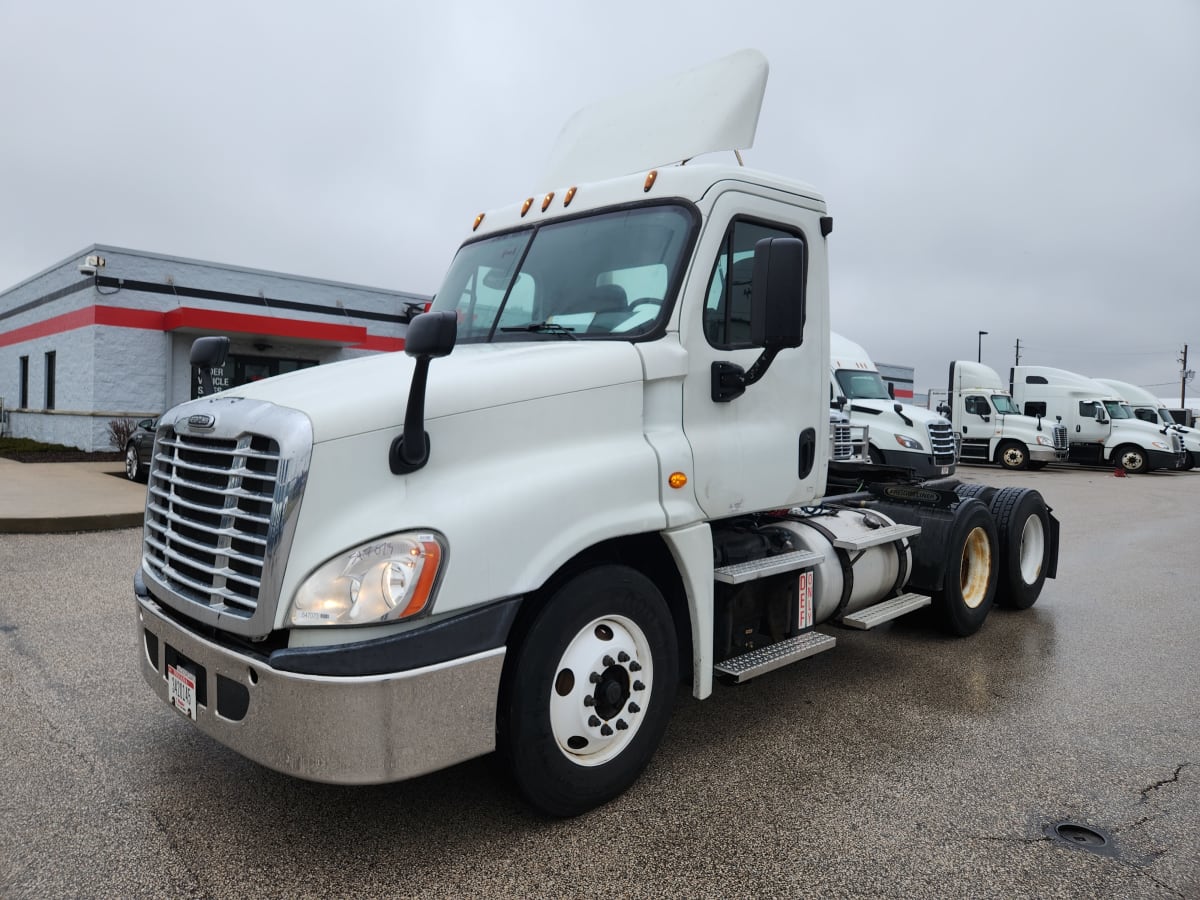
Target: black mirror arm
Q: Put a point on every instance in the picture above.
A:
(410, 451)
(729, 380)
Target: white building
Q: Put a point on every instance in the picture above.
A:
(105, 334)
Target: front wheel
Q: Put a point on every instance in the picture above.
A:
(587, 692)
(1132, 459)
(1013, 455)
(134, 470)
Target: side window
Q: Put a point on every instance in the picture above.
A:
(1087, 409)
(1035, 408)
(727, 306)
(977, 406)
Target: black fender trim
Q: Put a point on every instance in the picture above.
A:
(479, 630)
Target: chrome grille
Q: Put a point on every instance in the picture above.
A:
(843, 446)
(208, 517)
(941, 442)
(1176, 443)
(1060, 437)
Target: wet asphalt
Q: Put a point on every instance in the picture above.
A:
(899, 764)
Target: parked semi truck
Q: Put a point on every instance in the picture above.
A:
(600, 466)
(992, 428)
(1150, 409)
(1100, 428)
(899, 434)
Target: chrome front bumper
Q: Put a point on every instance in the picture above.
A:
(1038, 453)
(342, 730)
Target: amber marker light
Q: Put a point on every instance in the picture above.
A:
(650, 179)
(478, 222)
(546, 201)
(677, 480)
(525, 206)
(570, 196)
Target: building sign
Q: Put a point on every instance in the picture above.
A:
(239, 370)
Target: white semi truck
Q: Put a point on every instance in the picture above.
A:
(899, 434)
(992, 428)
(1101, 429)
(590, 474)
(1150, 409)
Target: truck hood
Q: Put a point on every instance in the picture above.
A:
(371, 393)
(886, 408)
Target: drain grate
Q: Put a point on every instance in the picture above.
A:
(1082, 837)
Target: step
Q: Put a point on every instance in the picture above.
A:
(886, 611)
(739, 573)
(773, 656)
(877, 537)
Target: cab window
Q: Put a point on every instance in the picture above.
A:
(727, 306)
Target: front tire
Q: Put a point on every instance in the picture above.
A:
(587, 691)
(1013, 455)
(1132, 459)
(134, 470)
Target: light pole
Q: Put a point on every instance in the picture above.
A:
(979, 350)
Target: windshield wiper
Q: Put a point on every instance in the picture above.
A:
(544, 328)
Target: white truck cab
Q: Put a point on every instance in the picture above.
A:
(1101, 429)
(1150, 409)
(899, 434)
(992, 428)
(600, 463)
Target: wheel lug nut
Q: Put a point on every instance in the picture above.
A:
(634, 708)
(594, 721)
(638, 686)
(623, 657)
(635, 666)
(606, 731)
(608, 661)
(621, 725)
(589, 700)
(594, 678)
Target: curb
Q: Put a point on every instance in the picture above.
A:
(65, 524)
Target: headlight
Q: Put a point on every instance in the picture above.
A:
(1044, 441)
(387, 579)
(909, 443)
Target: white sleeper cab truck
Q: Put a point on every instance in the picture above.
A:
(590, 475)
(1150, 409)
(900, 434)
(991, 427)
(1101, 429)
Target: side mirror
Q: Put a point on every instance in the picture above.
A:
(208, 353)
(1100, 417)
(430, 336)
(777, 302)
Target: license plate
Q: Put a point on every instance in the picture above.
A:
(183, 690)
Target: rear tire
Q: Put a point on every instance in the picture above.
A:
(1023, 526)
(971, 563)
(982, 492)
(587, 691)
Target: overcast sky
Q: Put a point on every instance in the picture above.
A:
(1029, 169)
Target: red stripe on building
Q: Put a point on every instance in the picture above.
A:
(192, 319)
(903, 394)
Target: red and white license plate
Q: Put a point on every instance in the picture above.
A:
(183, 690)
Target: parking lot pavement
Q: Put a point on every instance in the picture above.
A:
(39, 498)
(900, 764)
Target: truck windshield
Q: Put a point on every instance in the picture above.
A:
(858, 384)
(608, 275)
(1004, 404)
(1118, 410)
(1165, 415)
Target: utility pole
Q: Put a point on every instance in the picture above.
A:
(1017, 362)
(1184, 377)
(979, 349)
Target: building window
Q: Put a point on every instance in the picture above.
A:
(23, 394)
(239, 370)
(50, 380)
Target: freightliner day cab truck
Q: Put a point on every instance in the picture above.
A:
(1100, 428)
(600, 466)
(1150, 409)
(900, 434)
(991, 426)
